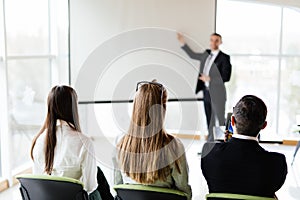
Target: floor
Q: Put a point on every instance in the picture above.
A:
(289, 191)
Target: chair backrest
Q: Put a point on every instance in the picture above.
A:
(212, 196)
(142, 192)
(45, 187)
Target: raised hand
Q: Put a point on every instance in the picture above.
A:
(180, 38)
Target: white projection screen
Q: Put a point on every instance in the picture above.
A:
(114, 44)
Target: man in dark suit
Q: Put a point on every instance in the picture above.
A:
(242, 166)
(215, 70)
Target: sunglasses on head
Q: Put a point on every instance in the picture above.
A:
(139, 84)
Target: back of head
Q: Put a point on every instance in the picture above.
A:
(250, 115)
(148, 109)
(61, 105)
(142, 151)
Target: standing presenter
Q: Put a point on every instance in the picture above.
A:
(215, 70)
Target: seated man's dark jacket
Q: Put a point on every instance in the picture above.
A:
(242, 167)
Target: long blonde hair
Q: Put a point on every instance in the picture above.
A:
(62, 104)
(146, 151)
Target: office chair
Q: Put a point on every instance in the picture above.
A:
(142, 192)
(45, 187)
(213, 196)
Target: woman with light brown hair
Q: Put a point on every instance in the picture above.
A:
(147, 154)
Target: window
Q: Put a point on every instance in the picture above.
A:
(244, 31)
(29, 83)
(35, 57)
(291, 32)
(265, 53)
(2, 88)
(289, 94)
(251, 73)
(27, 27)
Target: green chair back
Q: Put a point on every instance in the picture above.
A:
(235, 196)
(45, 187)
(142, 192)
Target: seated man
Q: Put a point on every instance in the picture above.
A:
(242, 166)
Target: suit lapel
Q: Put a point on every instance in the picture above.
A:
(216, 62)
(218, 56)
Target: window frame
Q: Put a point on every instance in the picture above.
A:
(7, 172)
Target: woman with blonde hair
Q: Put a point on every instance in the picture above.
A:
(147, 154)
(60, 149)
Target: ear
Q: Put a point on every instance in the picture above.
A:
(232, 121)
(264, 125)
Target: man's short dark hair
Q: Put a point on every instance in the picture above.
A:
(216, 34)
(250, 115)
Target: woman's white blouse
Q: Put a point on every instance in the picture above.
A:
(74, 157)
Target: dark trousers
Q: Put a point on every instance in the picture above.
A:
(213, 111)
(103, 186)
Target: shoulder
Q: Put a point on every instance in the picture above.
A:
(178, 150)
(84, 137)
(85, 140)
(119, 138)
(76, 135)
(210, 147)
(275, 156)
(41, 138)
(84, 146)
(39, 146)
(40, 143)
(77, 140)
(224, 54)
(271, 158)
(175, 140)
(276, 162)
(176, 146)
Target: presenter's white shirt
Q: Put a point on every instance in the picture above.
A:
(73, 157)
(209, 62)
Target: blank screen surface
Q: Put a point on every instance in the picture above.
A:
(115, 44)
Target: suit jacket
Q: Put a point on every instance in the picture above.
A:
(220, 71)
(242, 167)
